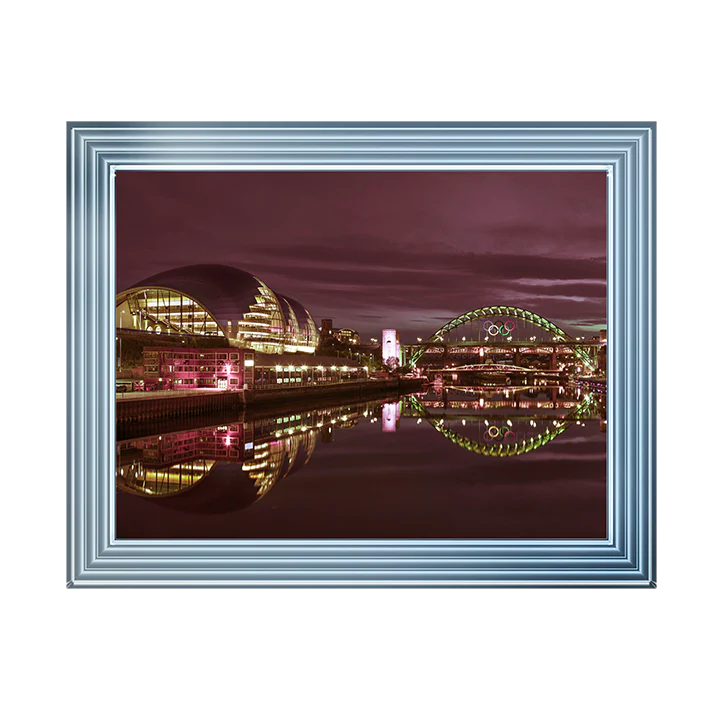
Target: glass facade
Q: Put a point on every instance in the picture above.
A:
(218, 301)
(164, 311)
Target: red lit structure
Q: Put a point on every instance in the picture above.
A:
(181, 368)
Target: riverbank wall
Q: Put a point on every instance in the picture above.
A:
(159, 407)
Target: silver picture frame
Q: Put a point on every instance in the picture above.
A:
(97, 151)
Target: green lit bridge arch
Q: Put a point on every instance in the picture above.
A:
(506, 449)
(496, 312)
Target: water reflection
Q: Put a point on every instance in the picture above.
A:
(504, 421)
(501, 422)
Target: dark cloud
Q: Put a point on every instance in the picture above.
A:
(371, 250)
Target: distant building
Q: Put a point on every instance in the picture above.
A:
(391, 348)
(604, 336)
(346, 336)
(327, 327)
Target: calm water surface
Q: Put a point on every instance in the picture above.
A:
(449, 463)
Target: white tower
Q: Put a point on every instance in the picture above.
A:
(391, 349)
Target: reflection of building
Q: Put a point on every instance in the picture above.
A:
(229, 466)
(391, 349)
(390, 416)
(163, 467)
(217, 301)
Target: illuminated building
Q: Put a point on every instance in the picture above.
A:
(391, 348)
(181, 368)
(217, 301)
(347, 336)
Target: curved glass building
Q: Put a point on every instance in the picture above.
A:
(217, 301)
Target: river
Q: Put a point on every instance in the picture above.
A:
(450, 463)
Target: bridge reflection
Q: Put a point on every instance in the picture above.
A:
(505, 421)
(221, 468)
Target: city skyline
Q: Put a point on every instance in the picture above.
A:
(373, 250)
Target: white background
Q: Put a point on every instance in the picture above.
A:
(346, 655)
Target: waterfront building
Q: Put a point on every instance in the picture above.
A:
(293, 370)
(217, 301)
(182, 368)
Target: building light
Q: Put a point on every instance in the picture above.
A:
(248, 362)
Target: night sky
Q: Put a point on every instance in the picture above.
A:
(371, 250)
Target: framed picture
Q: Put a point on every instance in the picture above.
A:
(361, 354)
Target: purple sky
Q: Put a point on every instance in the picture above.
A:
(371, 250)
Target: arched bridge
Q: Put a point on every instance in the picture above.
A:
(503, 324)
